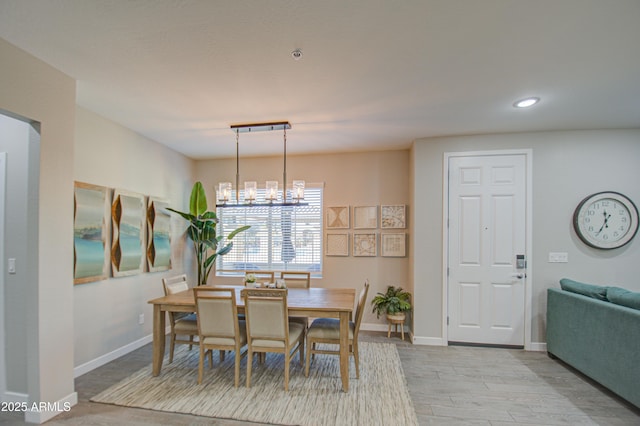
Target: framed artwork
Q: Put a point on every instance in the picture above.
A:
(393, 216)
(365, 245)
(338, 217)
(393, 244)
(337, 245)
(127, 247)
(365, 217)
(158, 231)
(90, 207)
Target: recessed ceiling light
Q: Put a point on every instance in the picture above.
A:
(526, 102)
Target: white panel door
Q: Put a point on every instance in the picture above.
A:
(487, 229)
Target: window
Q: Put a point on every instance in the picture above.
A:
(280, 238)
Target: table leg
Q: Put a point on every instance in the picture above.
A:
(344, 350)
(158, 339)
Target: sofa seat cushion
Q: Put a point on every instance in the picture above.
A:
(590, 290)
(623, 297)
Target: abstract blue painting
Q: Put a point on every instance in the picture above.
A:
(89, 233)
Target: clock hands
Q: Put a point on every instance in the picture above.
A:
(605, 224)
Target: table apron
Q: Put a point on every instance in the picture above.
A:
(319, 313)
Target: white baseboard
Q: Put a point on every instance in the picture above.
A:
(374, 327)
(106, 358)
(537, 347)
(40, 412)
(15, 397)
(428, 341)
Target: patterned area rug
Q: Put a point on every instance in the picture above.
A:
(379, 397)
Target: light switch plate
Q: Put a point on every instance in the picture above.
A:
(11, 265)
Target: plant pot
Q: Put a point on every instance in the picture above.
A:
(400, 316)
(398, 321)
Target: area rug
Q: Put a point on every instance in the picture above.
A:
(379, 397)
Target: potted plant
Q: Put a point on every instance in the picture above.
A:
(394, 303)
(250, 279)
(202, 231)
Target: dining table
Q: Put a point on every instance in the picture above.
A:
(312, 302)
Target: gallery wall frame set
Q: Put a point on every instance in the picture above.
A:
(366, 243)
(138, 235)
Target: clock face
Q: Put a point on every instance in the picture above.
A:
(606, 220)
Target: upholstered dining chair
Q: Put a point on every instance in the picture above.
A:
(327, 330)
(182, 323)
(269, 328)
(296, 279)
(218, 326)
(261, 276)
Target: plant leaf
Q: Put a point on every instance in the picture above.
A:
(198, 200)
(237, 231)
(224, 250)
(187, 216)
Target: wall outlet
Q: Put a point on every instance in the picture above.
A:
(141, 319)
(558, 257)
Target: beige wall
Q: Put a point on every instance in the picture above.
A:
(33, 90)
(106, 312)
(567, 166)
(357, 179)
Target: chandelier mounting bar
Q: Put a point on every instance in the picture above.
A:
(261, 127)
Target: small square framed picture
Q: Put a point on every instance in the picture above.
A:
(365, 217)
(365, 245)
(393, 244)
(393, 216)
(337, 217)
(337, 245)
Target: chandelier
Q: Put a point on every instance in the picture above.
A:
(271, 186)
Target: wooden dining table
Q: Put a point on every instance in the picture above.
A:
(308, 302)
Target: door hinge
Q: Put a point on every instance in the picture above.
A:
(447, 320)
(447, 271)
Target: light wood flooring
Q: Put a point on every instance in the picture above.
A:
(453, 385)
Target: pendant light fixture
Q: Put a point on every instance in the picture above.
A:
(271, 186)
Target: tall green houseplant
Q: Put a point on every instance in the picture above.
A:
(202, 231)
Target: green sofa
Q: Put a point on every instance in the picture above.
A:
(599, 338)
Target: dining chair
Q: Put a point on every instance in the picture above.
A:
(261, 276)
(327, 330)
(269, 328)
(182, 323)
(297, 279)
(218, 326)
(294, 279)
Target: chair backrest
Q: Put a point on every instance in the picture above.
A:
(362, 300)
(217, 311)
(261, 276)
(294, 279)
(266, 314)
(173, 285)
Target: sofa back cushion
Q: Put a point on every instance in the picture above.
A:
(595, 291)
(623, 297)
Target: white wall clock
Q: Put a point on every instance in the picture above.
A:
(606, 220)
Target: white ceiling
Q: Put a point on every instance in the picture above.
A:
(375, 74)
